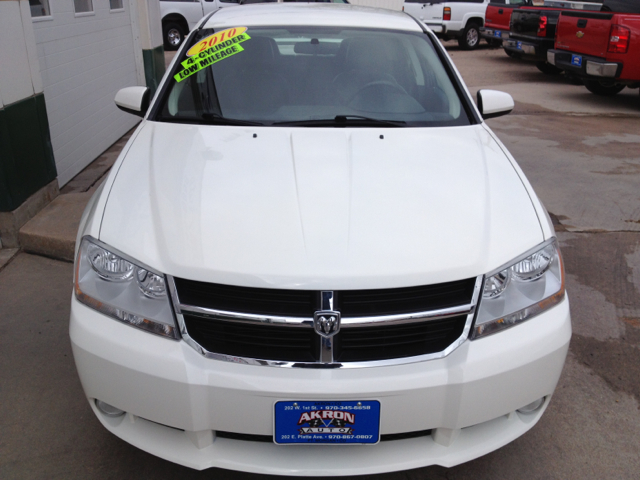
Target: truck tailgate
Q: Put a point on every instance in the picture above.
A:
(525, 21)
(583, 32)
(498, 15)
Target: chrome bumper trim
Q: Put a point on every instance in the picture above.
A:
(607, 70)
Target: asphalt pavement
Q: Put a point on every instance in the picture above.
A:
(582, 155)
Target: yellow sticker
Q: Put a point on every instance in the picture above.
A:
(215, 48)
(214, 55)
(214, 39)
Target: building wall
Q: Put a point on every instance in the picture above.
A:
(84, 60)
(26, 157)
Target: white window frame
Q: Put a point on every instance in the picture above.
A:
(45, 18)
(116, 10)
(84, 14)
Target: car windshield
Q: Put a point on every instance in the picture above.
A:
(311, 76)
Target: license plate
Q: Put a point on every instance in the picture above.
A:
(576, 60)
(327, 422)
(497, 34)
(519, 45)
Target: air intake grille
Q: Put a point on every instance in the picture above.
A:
(277, 325)
(366, 344)
(250, 340)
(302, 303)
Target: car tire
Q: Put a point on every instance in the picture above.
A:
(548, 69)
(173, 35)
(598, 88)
(470, 38)
(494, 43)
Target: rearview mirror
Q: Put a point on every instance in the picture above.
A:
(493, 103)
(134, 100)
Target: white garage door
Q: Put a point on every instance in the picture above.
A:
(86, 52)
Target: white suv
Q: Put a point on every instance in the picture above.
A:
(459, 19)
(180, 16)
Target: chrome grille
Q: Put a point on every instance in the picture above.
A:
(275, 326)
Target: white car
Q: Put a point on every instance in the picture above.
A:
(460, 19)
(314, 257)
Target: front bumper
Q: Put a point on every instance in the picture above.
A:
(176, 399)
(493, 33)
(527, 48)
(589, 67)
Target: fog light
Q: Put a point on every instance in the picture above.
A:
(532, 407)
(110, 410)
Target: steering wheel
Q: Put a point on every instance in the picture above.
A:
(383, 87)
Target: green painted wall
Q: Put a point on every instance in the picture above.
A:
(26, 155)
(153, 67)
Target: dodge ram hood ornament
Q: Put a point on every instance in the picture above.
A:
(326, 323)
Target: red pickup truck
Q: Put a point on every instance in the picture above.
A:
(603, 48)
(497, 20)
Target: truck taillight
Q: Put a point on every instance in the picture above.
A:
(619, 39)
(542, 26)
(446, 15)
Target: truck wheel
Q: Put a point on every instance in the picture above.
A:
(548, 69)
(470, 37)
(594, 86)
(173, 34)
(493, 43)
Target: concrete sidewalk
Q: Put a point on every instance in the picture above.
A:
(52, 232)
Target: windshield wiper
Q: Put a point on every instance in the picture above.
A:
(217, 119)
(209, 119)
(344, 121)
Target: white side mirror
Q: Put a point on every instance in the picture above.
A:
(134, 100)
(493, 103)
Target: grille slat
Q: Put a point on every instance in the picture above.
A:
(219, 336)
(302, 303)
(392, 342)
(361, 303)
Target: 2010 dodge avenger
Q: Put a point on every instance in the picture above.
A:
(314, 257)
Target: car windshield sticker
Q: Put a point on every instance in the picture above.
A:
(211, 50)
(214, 39)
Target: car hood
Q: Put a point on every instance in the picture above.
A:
(319, 208)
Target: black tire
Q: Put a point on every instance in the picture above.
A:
(512, 54)
(470, 38)
(594, 86)
(173, 35)
(493, 43)
(548, 69)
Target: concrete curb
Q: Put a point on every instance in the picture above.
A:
(52, 233)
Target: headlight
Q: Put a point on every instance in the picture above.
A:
(120, 288)
(521, 290)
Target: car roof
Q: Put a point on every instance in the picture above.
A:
(316, 14)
